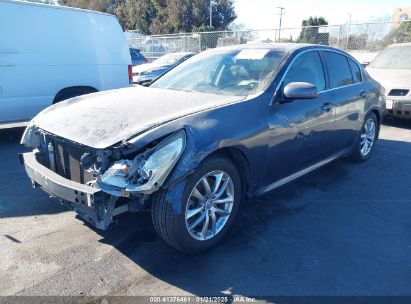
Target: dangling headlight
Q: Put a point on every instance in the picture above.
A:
(147, 171)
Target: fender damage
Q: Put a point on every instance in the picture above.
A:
(101, 162)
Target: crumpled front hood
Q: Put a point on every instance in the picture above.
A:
(391, 78)
(102, 119)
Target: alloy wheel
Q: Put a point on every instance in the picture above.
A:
(368, 133)
(209, 205)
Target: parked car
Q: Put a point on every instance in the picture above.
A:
(136, 57)
(153, 47)
(146, 73)
(226, 125)
(392, 68)
(55, 53)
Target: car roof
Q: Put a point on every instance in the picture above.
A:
(286, 47)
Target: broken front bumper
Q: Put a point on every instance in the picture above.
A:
(92, 204)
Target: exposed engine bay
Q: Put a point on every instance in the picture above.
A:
(122, 178)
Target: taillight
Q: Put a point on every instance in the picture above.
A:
(145, 60)
(130, 74)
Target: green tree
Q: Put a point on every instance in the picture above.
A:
(309, 32)
(162, 16)
(357, 41)
(53, 2)
(105, 6)
(203, 28)
(223, 14)
(174, 16)
(138, 15)
(400, 34)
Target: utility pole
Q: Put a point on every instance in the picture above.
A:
(281, 18)
(211, 13)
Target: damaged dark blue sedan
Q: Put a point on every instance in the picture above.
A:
(226, 125)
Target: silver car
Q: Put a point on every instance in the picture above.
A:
(146, 73)
(392, 68)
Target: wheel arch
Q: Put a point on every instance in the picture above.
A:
(240, 161)
(80, 90)
(377, 114)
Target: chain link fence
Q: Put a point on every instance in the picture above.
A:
(363, 41)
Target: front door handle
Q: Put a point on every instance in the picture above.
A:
(363, 94)
(327, 106)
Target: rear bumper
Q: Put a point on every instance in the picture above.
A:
(93, 205)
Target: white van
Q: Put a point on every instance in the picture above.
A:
(51, 53)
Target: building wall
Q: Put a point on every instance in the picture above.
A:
(403, 13)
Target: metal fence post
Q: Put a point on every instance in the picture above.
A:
(368, 26)
(339, 37)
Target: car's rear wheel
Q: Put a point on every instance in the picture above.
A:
(367, 138)
(208, 207)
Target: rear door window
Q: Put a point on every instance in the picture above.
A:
(355, 69)
(339, 71)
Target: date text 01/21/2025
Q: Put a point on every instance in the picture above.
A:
(189, 299)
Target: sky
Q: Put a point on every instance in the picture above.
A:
(263, 14)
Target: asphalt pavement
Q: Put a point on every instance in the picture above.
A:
(342, 230)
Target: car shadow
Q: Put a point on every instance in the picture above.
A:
(397, 122)
(341, 230)
(17, 197)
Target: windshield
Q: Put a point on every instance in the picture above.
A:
(168, 59)
(227, 72)
(398, 57)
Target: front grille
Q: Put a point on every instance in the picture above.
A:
(399, 112)
(398, 92)
(68, 158)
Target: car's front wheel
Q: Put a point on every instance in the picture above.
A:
(366, 140)
(207, 207)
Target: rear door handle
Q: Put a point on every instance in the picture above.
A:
(327, 106)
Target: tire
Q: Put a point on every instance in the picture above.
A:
(174, 228)
(359, 153)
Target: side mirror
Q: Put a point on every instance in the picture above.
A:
(300, 90)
